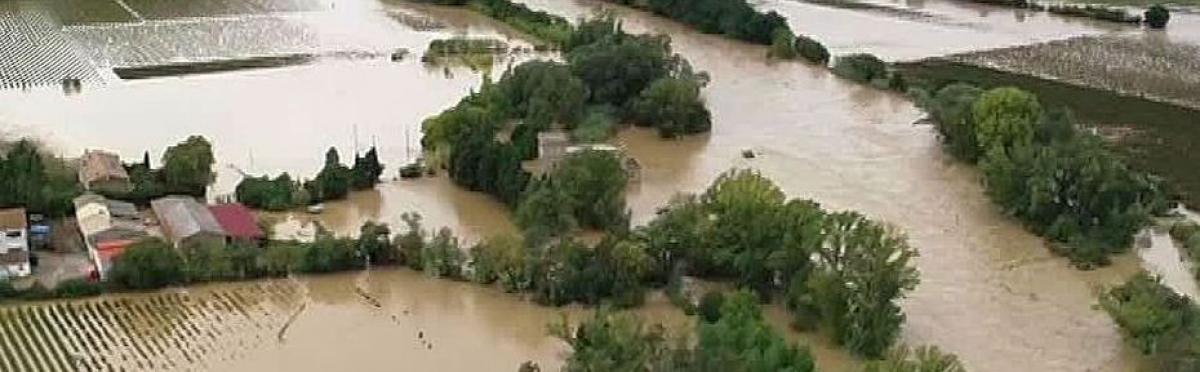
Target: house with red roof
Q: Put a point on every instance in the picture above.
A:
(239, 223)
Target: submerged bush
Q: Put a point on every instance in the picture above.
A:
(862, 67)
(812, 50)
(1157, 16)
(148, 264)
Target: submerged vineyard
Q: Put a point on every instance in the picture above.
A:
(163, 331)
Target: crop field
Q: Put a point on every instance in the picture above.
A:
(149, 332)
(1145, 66)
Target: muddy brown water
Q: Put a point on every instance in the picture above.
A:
(990, 291)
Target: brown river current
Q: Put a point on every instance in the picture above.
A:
(990, 292)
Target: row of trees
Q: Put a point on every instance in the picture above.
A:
(739, 20)
(734, 337)
(738, 339)
(153, 263)
(869, 69)
(334, 181)
(1158, 321)
(545, 26)
(1040, 168)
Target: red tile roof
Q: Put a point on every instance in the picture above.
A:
(237, 220)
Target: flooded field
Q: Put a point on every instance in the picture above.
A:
(921, 29)
(1147, 66)
(990, 292)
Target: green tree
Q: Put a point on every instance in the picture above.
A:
(546, 211)
(614, 343)
(148, 264)
(544, 93)
(367, 170)
(811, 50)
(412, 242)
(594, 181)
(334, 180)
(741, 340)
(442, 256)
(36, 181)
(187, 166)
(674, 106)
(375, 241)
(862, 67)
(783, 45)
(1005, 118)
(744, 208)
(710, 306)
(269, 194)
(861, 271)
(1157, 16)
(500, 258)
(951, 110)
(616, 69)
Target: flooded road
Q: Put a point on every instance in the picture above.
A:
(990, 292)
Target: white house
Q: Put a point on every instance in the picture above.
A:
(14, 244)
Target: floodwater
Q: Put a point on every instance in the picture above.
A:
(990, 292)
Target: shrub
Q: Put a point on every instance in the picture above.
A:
(710, 306)
(674, 106)
(283, 257)
(1157, 16)
(500, 258)
(923, 359)
(1157, 321)
(73, 288)
(812, 50)
(269, 194)
(862, 67)
(7, 291)
(148, 264)
(442, 257)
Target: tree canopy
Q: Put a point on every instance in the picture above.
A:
(1062, 182)
(187, 166)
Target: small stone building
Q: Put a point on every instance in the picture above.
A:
(103, 172)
